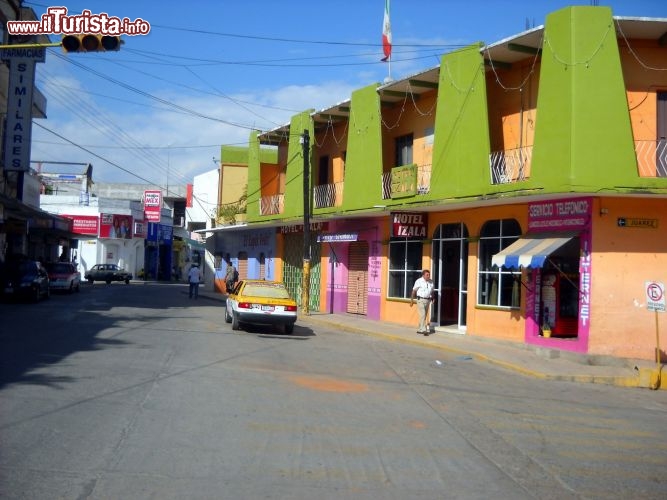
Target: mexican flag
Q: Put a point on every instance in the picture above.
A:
(386, 33)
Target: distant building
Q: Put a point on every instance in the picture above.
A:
(111, 226)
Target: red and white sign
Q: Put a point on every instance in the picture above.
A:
(411, 225)
(188, 195)
(85, 224)
(116, 226)
(152, 205)
(655, 296)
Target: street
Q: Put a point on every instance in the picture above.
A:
(135, 391)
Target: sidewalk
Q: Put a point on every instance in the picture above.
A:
(533, 361)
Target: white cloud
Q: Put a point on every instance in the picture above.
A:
(176, 144)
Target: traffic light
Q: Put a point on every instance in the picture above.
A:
(90, 43)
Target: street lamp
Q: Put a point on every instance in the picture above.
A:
(305, 287)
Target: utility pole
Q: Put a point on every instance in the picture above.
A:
(305, 287)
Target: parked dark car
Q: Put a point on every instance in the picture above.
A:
(108, 273)
(27, 279)
(63, 276)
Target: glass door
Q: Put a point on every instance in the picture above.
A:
(450, 273)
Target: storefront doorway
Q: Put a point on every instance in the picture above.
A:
(559, 292)
(450, 271)
(357, 278)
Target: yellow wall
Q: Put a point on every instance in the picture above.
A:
(486, 321)
(332, 142)
(642, 85)
(624, 258)
(271, 180)
(490, 322)
(409, 117)
(512, 113)
(278, 260)
(234, 183)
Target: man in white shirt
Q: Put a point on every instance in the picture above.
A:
(194, 277)
(423, 292)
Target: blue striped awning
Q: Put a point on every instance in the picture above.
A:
(530, 251)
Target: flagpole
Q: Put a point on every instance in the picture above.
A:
(386, 39)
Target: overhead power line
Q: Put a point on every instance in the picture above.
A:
(291, 40)
(134, 174)
(151, 96)
(163, 148)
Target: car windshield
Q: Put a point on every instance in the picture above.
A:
(266, 290)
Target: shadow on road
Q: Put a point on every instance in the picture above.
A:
(37, 335)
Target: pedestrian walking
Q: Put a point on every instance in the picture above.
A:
(423, 292)
(194, 278)
(230, 277)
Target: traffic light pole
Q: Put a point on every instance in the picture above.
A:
(305, 286)
(30, 45)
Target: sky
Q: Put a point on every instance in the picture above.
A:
(209, 72)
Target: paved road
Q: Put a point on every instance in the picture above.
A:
(138, 392)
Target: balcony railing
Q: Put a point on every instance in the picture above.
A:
(328, 195)
(386, 185)
(271, 205)
(513, 165)
(510, 165)
(423, 181)
(651, 158)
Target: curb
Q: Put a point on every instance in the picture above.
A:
(645, 378)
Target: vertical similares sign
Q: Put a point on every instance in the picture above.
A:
(18, 129)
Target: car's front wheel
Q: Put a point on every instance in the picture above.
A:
(91, 280)
(127, 281)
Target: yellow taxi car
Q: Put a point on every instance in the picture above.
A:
(260, 302)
